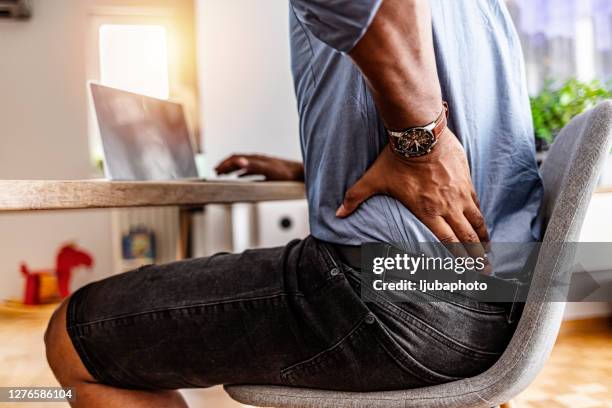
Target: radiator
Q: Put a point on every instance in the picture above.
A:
(163, 221)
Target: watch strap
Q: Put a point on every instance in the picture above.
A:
(441, 122)
(436, 127)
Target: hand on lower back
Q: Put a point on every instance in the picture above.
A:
(437, 188)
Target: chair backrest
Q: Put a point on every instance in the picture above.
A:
(571, 170)
(570, 174)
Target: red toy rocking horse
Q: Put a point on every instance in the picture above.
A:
(68, 258)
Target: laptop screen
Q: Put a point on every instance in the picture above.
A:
(143, 138)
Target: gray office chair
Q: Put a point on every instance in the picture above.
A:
(570, 175)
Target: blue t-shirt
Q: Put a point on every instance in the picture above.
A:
(481, 72)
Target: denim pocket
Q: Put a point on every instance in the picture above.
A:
(448, 339)
(366, 359)
(448, 336)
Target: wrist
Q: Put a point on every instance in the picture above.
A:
(409, 109)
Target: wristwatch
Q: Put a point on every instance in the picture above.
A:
(419, 140)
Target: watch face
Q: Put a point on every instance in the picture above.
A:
(415, 142)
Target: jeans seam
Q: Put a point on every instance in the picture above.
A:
(400, 356)
(309, 362)
(444, 339)
(327, 256)
(193, 306)
(470, 308)
(74, 332)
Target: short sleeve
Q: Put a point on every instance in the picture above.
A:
(338, 23)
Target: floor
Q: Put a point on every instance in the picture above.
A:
(578, 374)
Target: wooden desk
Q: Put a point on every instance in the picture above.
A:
(31, 195)
(36, 195)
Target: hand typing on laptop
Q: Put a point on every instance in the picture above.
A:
(272, 168)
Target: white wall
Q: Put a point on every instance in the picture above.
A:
(43, 126)
(247, 99)
(246, 92)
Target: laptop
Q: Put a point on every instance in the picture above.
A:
(143, 138)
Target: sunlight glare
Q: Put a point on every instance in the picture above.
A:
(135, 58)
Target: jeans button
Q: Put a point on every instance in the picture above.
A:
(370, 319)
(334, 272)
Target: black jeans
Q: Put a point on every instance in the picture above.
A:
(289, 316)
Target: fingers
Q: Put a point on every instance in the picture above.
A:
(477, 221)
(475, 217)
(459, 238)
(250, 164)
(233, 163)
(443, 231)
(466, 235)
(356, 195)
(255, 166)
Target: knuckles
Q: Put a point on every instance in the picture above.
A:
(447, 239)
(475, 218)
(471, 237)
(430, 211)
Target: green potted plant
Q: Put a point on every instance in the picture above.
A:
(557, 104)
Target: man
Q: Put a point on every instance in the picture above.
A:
(368, 75)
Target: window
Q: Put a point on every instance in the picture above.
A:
(135, 58)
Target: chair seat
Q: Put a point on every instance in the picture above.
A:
(454, 394)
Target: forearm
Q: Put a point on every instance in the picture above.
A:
(396, 56)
